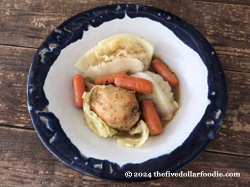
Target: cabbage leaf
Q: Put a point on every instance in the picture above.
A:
(95, 123)
(103, 69)
(161, 95)
(117, 47)
(136, 137)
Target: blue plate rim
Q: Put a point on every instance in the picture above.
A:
(50, 131)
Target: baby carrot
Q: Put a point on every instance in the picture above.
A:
(163, 71)
(79, 89)
(151, 117)
(109, 79)
(133, 83)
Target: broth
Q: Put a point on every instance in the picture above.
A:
(177, 96)
(175, 90)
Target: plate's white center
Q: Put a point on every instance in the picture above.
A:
(185, 62)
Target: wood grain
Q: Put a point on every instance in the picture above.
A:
(24, 24)
(14, 67)
(233, 59)
(234, 136)
(25, 161)
(235, 2)
(13, 108)
(226, 26)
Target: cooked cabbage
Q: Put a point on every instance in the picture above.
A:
(134, 138)
(125, 64)
(117, 47)
(93, 121)
(161, 95)
(137, 136)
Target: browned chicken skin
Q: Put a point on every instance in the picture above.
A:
(117, 107)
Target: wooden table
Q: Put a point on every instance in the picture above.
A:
(24, 24)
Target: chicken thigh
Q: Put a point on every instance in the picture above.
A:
(117, 107)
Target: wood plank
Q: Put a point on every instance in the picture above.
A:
(236, 126)
(15, 62)
(232, 59)
(25, 161)
(235, 2)
(226, 26)
(14, 67)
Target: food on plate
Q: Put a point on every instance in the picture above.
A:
(88, 86)
(138, 135)
(120, 88)
(133, 83)
(95, 123)
(163, 71)
(161, 95)
(151, 117)
(117, 107)
(122, 52)
(109, 79)
(119, 46)
(79, 88)
(105, 69)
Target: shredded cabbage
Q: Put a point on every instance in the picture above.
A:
(117, 47)
(161, 95)
(137, 136)
(125, 64)
(95, 123)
